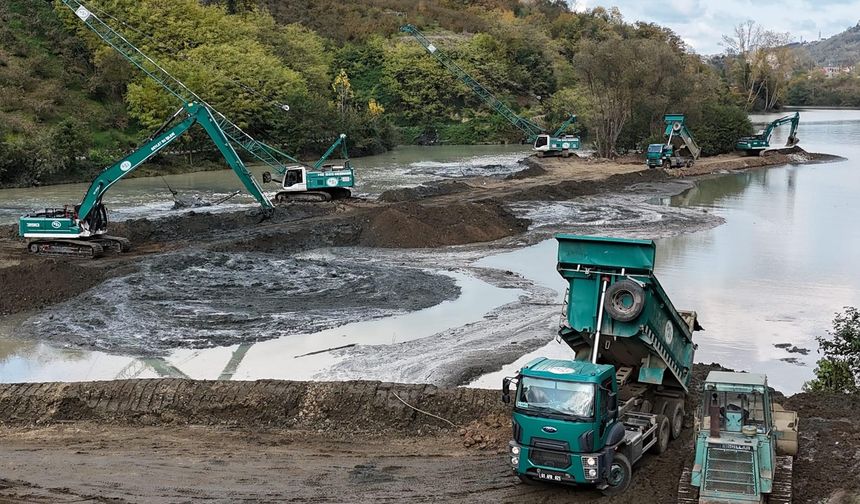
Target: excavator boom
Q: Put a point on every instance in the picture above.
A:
(530, 129)
(89, 219)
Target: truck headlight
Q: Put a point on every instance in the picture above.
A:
(589, 461)
(515, 460)
(591, 473)
(515, 450)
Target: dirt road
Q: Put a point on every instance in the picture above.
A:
(172, 441)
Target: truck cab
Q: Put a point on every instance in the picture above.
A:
(657, 154)
(744, 443)
(568, 427)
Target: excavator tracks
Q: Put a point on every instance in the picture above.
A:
(285, 197)
(781, 493)
(83, 249)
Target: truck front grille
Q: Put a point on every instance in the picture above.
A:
(730, 471)
(549, 459)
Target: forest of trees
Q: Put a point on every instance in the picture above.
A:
(70, 104)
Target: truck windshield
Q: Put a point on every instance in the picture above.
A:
(655, 148)
(565, 398)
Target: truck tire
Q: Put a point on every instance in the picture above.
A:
(664, 433)
(675, 412)
(620, 473)
(624, 300)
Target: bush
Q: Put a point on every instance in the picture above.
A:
(839, 370)
(720, 128)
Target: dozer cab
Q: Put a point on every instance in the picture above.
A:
(745, 444)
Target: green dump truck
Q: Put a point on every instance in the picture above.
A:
(745, 444)
(680, 149)
(587, 420)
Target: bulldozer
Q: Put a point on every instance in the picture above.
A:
(745, 444)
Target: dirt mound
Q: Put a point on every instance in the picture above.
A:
(573, 188)
(410, 225)
(423, 191)
(195, 225)
(346, 407)
(32, 285)
(534, 170)
(829, 436)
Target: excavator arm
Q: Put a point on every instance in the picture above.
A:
(89, 218)
(530, 129)
(197, 113)
(114, 173)
(341, 142)
(561, 129)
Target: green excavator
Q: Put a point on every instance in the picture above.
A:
(81, 230)
(756, 144)
(543, 142)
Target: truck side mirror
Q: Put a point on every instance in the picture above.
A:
(506, 390)
(612, 408)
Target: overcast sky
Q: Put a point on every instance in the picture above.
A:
(701, 23)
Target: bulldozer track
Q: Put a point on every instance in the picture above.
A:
(687, 493)
(781, 493)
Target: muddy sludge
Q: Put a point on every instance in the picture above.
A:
(205, 299)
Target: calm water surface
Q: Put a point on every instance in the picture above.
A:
(778, 269)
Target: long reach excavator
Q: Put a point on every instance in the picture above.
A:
(81, 230)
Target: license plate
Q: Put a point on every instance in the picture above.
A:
(549, 476)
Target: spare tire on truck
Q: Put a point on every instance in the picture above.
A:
(624, 300)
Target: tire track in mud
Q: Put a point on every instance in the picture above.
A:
(358, 406)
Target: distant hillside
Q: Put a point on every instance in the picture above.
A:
(842, 49)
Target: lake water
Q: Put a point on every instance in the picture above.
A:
(775, 272)
(778, 269)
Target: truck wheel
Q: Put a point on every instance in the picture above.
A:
(676, 413)
(624, 300)
(619, 476)
(664, 432)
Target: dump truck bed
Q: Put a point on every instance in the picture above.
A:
(655, 339)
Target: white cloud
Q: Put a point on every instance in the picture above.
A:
(701, 24)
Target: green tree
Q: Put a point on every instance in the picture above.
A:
(839, 370)
(618, 74)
